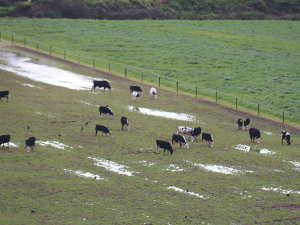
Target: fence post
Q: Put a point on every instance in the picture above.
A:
(258, 109)
(109, 67)
(196, 91)
(24, 42)
(125, 72)
(64, 54)
(216, 96)
(12, 39)
(0, 36)
(78, 58)
(159, 82)
(283, 117)
(50, 50)
(142, 76)
(236, 103)
(37, 47)
(93, 62)
(177, 86)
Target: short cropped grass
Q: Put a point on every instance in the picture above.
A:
(40, 188)
(255, 62)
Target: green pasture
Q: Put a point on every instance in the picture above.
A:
(41, 187)
(255, 62)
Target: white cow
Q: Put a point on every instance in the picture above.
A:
(153, 93)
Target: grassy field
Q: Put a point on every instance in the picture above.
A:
(201, 185)
(256, 62)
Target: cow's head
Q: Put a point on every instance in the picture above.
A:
(186, 145)
(288, 142)
(109, 133)
(171, 151)
(193, 138)
(28, 148)
(211, 143)
(155, 96)
(112, 116)
(258, 140)
(127, 127)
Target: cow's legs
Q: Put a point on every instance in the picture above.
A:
(157, 148)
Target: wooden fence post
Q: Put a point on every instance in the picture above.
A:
(12, 39)
(258, 109)
(93, 62)
(142, 76)
(196, 91)
(37, 47)
(64, 54)
(159, 82)
(0, 36)
(216, 96)
(109, 67)
(177, 86)
(78, 58)
(50, 50)
(24, 42)
(283, 117)
(125, 72)
(236, 103)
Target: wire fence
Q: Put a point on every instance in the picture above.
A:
(111, 66)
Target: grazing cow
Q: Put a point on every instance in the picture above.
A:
(180, 139)
(102, 128)
(124, 121)
(153, 93)
(135, 88)
(285, 136)
(4, 94)
(255, 133)
(184, 130)
(4, 139)
(30, 142)
(194, 133)
(100, 84)
(135, 95)
(209, 138)
(246, 124)
(165, 145)
(106, 110)
(240, 123)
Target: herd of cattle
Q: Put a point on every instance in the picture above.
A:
(136, 91)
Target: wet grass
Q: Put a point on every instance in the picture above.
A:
(253, 61)
(36, 188)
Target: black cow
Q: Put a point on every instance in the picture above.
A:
(180, 139)
(246, 124)
(255, 133)
(209, 138)
(102, 128)
(4, 94)
(106, 110)
(135, 88)
(194, 133)
(286, 135)
(30, 142)
(100, 84)
(240, 123)
(4, 139)
(124, 121)
(165, 145)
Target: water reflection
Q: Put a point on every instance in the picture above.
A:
(24, 66)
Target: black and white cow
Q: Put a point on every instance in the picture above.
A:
(255, 133)
(240, 123)
(4, 94)
(184, 130)
(135, 88)
(246, 124)
(30, 142)
(165, 145)
(4, 139)
(153, 93)
(180, 139)
(285, 136)
(209, 138)
(106, 110)
(124, 121)
(102, 128)
(194, 133)
(135, 95)
(100, 84)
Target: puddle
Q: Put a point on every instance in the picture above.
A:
(160, 113)
(266, 151)
(220, 169)
(31, 85)
(23, 66)
(174, 168)
(54, 144)
(89, 103)
(186, 192)
(43, 114)
(244, 148)
(145, 163)
(268, 133)
(113, 166)
(281, 191)
(86, 175)
(11, 144)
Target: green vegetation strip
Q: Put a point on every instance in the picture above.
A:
(256, 62)
(235, 182)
